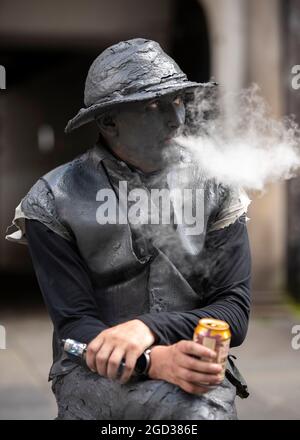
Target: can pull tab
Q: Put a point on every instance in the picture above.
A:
(236, 379)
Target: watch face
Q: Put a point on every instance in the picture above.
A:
(141, 364)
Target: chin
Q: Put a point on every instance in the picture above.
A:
(156, 162)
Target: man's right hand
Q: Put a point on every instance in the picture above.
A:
(127, 340)
(180, 364)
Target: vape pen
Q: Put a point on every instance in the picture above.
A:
(78, 349)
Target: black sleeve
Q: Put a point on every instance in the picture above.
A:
(227, 294)
(65, 283)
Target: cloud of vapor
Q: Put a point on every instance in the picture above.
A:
(249, 150)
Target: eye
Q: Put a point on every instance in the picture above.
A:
(153, 105)
(177, 100)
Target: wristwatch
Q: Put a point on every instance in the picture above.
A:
(143, 363)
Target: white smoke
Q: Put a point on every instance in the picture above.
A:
(250, 150)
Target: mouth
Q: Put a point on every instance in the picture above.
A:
(169, 139)
(171, 136)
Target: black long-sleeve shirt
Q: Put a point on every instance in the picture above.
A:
(67, 289)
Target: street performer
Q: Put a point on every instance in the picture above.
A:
(130, 288)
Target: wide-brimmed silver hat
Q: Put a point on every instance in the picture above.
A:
(132, 70)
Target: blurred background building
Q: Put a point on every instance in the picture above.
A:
(46, 49)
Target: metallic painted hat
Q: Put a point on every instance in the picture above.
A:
(129, 71)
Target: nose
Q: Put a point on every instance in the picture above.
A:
(175, 116)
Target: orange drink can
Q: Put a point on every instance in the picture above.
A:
(216, 335)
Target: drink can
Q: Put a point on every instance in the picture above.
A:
(214, 334)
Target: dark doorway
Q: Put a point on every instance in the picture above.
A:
(44, 89)
(190, 40)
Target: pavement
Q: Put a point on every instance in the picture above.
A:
(271, 368)
(266, 359)
(25, 392)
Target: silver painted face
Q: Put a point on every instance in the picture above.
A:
(144, 130)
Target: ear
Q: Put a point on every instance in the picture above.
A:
(107, 124)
